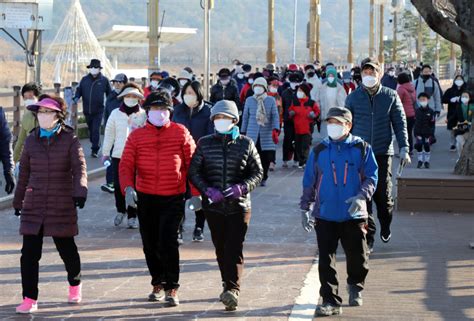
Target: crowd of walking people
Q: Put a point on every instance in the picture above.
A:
(167, 150)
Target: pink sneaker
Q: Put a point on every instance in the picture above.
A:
(27, 306)
(75, 294)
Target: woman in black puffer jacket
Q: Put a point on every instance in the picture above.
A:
(225, 168)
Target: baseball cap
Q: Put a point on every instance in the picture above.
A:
(370, 61)
(341, 114)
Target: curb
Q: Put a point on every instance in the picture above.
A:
(6, 201)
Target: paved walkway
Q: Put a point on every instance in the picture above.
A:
(425, 273)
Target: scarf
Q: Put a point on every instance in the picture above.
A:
(234, 132)
(129, 110)
(49, 133)
(261, 112)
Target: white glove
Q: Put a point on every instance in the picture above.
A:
(131, 197)
(307, 220)
(405, 156)
(455, 99)
(357, 204)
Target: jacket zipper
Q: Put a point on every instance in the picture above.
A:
(90, 96)
(224, 177)
(371, 119)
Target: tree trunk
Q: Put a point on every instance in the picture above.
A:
(465, 164)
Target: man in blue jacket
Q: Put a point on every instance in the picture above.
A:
(93, 88)
(6, 153)
(340, 177)
(376, 111)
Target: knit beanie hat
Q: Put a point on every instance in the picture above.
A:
(260, 82)
(225, 107)
(306, 88)
(184, 74)
(331, 71)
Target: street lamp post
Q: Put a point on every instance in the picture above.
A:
(271, 56)
(381, 37)
(350, 58)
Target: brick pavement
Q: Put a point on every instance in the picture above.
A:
(425, 273)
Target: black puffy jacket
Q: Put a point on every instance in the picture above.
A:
(425, 122)
(220, 162)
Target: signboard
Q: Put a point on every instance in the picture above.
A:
(32, 14)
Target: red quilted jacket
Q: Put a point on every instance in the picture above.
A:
(156, 160)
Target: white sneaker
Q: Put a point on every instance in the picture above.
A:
(119, 218)
(132, 223)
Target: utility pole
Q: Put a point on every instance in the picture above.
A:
(371, 28)
(381, 44)
(350, 58)
(452, 61)
(153, 41)
(394, 40)
(207, 46)
(419, 43)
(312, 29)
(271, 56)
(437, 47)
(294, 32)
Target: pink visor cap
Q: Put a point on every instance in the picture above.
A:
(45, 103)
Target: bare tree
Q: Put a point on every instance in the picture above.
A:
(454, 20)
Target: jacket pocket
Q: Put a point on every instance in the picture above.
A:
(28, 200)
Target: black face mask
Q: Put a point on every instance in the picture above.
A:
(425, 77)
(311, 74)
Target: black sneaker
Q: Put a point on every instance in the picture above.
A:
(452, 148)
(385, 235)
(263, 183)
(94, 155)
(327, 309)
(198, 235)
(109, 188)
(355, 296)
(420, 164)
(230, 299)
(427, 164)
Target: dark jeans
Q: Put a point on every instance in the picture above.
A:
(353, 240)
(410, 126)
(288, 141)
(200, 219)
(302, 146)
(382, 198)
(119, 198)
(228, 236)
(265, 157)
(93, 124)
(31, 255)
(159, 218)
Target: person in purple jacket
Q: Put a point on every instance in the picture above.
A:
(340, 176)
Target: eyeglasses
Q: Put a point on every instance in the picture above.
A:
(49, 111)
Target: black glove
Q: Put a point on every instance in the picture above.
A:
(9, 182)
(437, 113)
(17, 212)
(79, 201)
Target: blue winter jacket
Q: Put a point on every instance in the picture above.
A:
(93, 92)
(335, 172)
(6, 152)
(374, 117)
(196, 120)
(111, 103)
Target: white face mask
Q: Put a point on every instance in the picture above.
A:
(190, 100)
(154, 83)
(459, 82)
(258, 90)
(293, 85)
(250, 81)
(391, 73)
(300, 95)
(369, 81)
(336, 131)
(225, 81)
(240, 76)
(183, 82)
(29, 102)
(223, 125)
(273, 89)
(331, 79)
(130, 102)
(47, 120)
(423, 103)
(465, 100)
(117, 90)
(94, 71)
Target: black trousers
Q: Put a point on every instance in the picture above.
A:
(410, 126)
(289, 141)
(119, 198)
(265, 157)
(93, 124)
(159, 218)
(382, 198)
(353, 240)
(228, 236)
(302, 146)
(200, 219)
(31, 255)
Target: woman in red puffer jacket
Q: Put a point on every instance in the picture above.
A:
(407, 94)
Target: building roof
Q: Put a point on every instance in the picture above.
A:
(137, 36)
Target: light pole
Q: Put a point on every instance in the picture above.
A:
(207, 46)
(350, 58)
(394, 40)
(371, 28)
(381, 44)
(271, 56)
(153, 45)
(294, 32)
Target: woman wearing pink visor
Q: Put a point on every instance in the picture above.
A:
(52, 184)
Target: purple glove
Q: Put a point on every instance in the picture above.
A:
(214, 195)
(236, 191)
